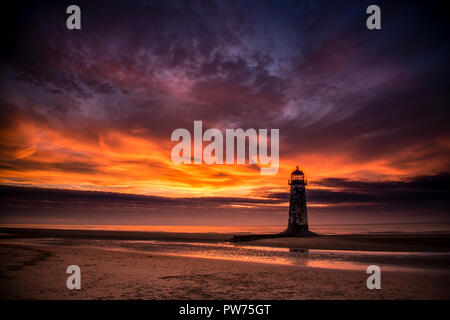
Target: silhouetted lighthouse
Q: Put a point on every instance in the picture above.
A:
(298, 215)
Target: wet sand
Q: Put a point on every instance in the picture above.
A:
(34, 271)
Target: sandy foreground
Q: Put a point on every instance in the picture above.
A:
(32, 271)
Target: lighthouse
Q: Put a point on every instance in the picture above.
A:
(298, 214)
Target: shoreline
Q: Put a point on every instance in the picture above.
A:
(403, 242)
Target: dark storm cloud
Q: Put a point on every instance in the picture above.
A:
(66, 166)
(374, 95)
(414, 195)
(40, 198)
(121, 53)
(438, 182)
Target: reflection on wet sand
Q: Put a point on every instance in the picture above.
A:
(329, 259)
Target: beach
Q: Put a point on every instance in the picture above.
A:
(145, 265)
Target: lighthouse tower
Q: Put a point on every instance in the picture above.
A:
(298, 215)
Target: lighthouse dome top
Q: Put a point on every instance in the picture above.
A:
(297, 172)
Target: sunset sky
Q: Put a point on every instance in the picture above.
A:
(364, 113)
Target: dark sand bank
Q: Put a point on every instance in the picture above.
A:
(375, 242)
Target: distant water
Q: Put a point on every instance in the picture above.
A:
(414, 228)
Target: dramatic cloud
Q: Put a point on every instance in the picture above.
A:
(93, 109)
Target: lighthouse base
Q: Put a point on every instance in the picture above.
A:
(297, 230)
(284, 234)
(305, 233)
